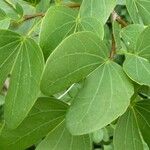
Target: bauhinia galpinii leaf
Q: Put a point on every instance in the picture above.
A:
(71, 61)
(64, 24)
(139, 57)
(74, 75)
(106, 93)
(130, 127)
(22, 59)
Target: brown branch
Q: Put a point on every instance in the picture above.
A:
(28, 17)
(113, 48)
(73, 5)
(116, 17)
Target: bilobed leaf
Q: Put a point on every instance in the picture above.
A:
(72, 60)
(138, 69)
(142, 110)
(104, 97)
(100, 9)
(61, 139)
(139, 9)
(22, 59)
(59, 22)
(46, 114)
(130, 35)
(127, 134)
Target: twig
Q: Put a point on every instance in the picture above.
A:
(113, 47)
(28, 17)
(73, 5)
(116, 17)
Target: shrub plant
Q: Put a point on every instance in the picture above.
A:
(75, 74)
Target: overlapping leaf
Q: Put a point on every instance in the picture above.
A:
(130, 127)
(130, 35)
(4, 20)
(100, 9)
(137, 65)
(61, 139)
(142, 110)
(22, 59)
(138, 69)
(46, 114)
(127, 134)
(72, 60)
(105, 96)
(59, 22)
(139, 9)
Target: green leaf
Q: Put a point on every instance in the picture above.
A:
(127, 135)
(4, 20)
(133, 10)
(104, 97)
(59, 22)
(97, 136)
(100, 9)
(71, 61)
(46, 114)
(138, 69)
(133, 127)
(2, 100)
(142, 110)
(22, 59)
(137, 65)
(130, 35)
(19, 9)
(143, 44)
(144, 91)
(61, 139)
(139, 9)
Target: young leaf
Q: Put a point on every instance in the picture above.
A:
(71, 61)
(61, 139)
(127, 135)
(22, 58)
(46, 114)
(105, 96)
(100, 9)
(59, 22)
